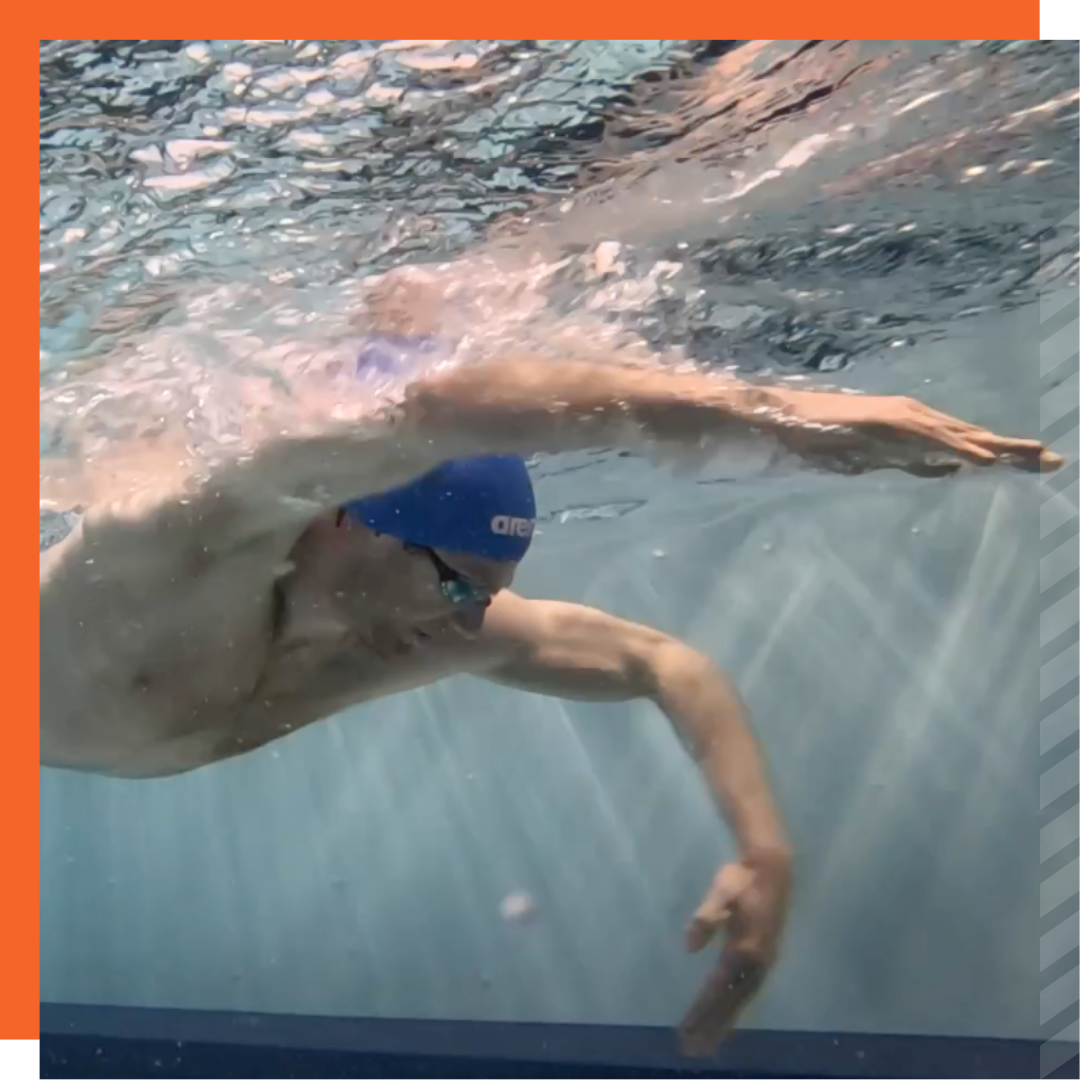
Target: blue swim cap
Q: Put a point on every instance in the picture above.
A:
(481, 506)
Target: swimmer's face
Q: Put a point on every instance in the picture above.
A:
(370, 577)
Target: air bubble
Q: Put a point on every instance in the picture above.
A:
(517, 907)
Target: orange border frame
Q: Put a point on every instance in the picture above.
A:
(912, 19)
(19, 944)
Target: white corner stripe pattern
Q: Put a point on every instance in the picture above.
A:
(1059, 683)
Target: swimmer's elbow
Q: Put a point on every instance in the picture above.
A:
(669, 668)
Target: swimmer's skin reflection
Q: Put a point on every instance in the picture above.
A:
(190, 625)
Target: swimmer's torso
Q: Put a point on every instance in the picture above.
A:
(150, 673)
(143, 650)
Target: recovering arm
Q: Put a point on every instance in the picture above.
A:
(578, 653)
(574, 652)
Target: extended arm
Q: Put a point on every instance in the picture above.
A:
(528, 405)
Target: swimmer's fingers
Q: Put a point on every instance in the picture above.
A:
(977, 444)
(1027, 454)
(1047, 461)
(748, 902)
(715, 909)
(971, 450)
(985, 448)
(729, 987)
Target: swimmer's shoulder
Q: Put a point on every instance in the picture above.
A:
(270, 495)
(114, 540)
(159, 535)
(150, 523)
(220, 514)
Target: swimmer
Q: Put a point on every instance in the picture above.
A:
(215, 614)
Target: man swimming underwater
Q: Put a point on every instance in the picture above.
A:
(211, 616)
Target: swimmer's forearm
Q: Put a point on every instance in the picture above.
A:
(536, 405)
(711, 719)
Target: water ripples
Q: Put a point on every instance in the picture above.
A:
(209, 210)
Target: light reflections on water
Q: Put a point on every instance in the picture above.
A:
(209, 210)
(299, 160)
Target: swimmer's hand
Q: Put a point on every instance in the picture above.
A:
(857, 432)
(748, 903)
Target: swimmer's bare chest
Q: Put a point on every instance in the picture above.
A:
(164, 729)
(180, 712)
(142, 659)
(308, 681)
(152, 673)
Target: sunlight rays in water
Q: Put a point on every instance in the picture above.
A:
(877, 629)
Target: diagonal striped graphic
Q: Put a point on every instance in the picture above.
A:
(1059, 683)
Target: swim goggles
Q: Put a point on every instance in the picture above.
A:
(457, 589)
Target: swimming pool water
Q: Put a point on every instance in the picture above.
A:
(884, 216)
